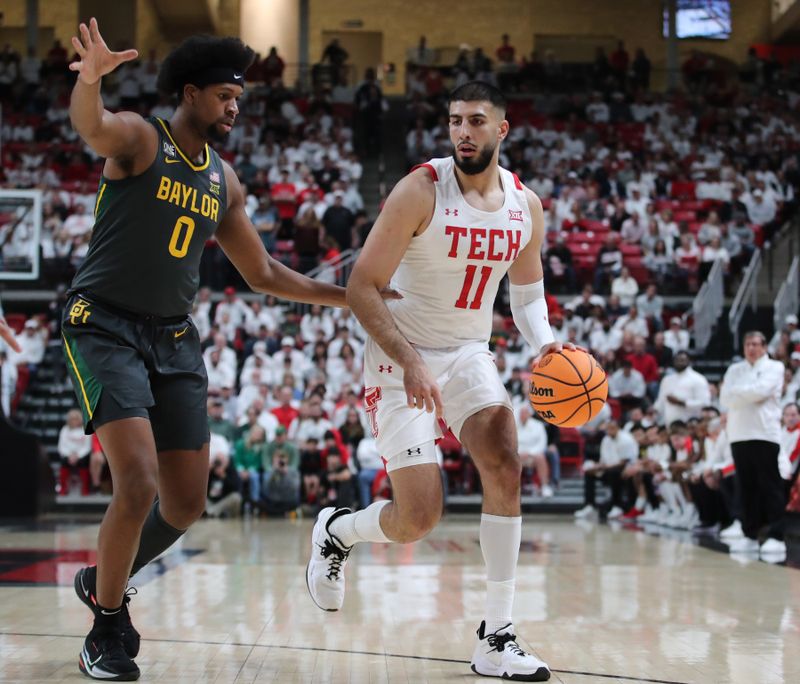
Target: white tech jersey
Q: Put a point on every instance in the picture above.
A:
(450, 274)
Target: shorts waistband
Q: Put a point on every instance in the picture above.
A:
(125, 313)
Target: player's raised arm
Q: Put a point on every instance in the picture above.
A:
(240, 241)
(110, 135)
(408, 208)
(526, 287)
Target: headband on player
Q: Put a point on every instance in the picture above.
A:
(216, 75)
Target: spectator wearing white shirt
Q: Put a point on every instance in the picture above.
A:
(315, 323)
(310, 423)
(632, 323)
(760, 210)
(683, 393)
(219, 373)
(79, 223)
(8, 381)
(627, 385)
(625, 287)
(751, 391)
(288, 359)
(676, 337)
(633, 229)
(74, 448)
(33, 342)
(650, 305)
(226, 355)
(238, 312)
(532, 446)
(370, 464)
(616, 450)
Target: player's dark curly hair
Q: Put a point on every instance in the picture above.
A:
(478, 91)
(198, 53)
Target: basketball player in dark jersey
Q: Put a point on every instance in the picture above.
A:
(131, 348)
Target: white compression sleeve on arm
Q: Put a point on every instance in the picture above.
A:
(529, 310)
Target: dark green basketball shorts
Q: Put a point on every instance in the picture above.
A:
(126, 365)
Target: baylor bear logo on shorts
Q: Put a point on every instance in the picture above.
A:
(79, 312)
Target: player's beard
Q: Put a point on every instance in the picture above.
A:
(215, 135)
(477, 164)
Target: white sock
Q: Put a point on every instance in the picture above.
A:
(361, 526)
(500, 537)
(639, 505)
(667, 492)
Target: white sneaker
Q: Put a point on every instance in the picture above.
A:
(325, 570)
(547, 491)
(499, 655)
(650, 515)
(587, 511)
(615, 513)
(733, 531)
(773, 547)
(743, 545)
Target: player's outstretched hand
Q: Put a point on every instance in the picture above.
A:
(8, 335)
(96, 60)
(421, 389)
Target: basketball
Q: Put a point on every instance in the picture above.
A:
(568, 388)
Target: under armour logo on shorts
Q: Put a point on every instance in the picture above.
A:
(384, 369)
(414, 452)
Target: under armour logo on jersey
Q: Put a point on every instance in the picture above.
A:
(515, 215)
(384, 369)
(451, 212)
(414, 452)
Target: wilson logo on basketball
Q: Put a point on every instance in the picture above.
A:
(541, 392)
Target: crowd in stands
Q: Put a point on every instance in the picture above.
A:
(643, 192)
(665, 184)
(294, 153)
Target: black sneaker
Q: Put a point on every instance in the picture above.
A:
(86, 589)
(104, 657)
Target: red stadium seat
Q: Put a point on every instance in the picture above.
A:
(571, 447)
(629, 250)
(683, 190)
(689, 216)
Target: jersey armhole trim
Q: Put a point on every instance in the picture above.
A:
(517, 182)
(430, 169)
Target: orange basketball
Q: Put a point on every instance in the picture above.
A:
(568, 388)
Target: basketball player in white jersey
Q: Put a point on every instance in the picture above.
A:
(447, 235)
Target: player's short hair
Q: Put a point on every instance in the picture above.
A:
(199, 54)
(478, 91)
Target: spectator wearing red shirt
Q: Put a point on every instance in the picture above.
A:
(644, 362)
(505, 53)
(620, 61)
(284, 197)
(285, 412)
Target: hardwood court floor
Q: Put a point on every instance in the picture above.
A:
(599, 605)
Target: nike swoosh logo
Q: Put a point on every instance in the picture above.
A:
(92, 663)
(172, 161)
(109, 612)
(181, 333)
(83, 587)
(238, 77)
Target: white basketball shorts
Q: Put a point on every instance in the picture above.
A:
(467, 379)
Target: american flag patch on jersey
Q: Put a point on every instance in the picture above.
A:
(214, 178)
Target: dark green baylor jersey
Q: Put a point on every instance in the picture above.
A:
(150, 230)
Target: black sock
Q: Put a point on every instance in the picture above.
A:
(157, 536)
(107, 619)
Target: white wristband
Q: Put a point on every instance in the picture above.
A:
(529, 310)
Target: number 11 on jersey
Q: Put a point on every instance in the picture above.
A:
(466, 288)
